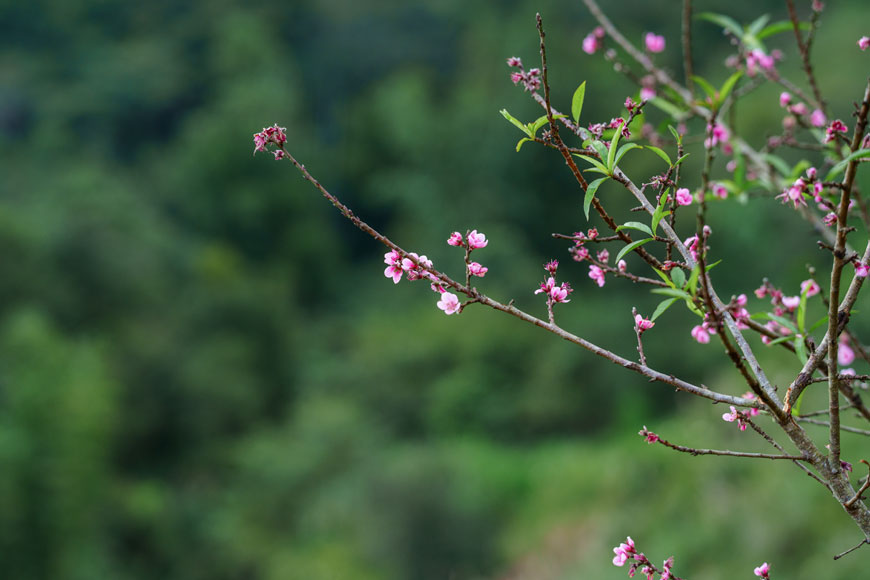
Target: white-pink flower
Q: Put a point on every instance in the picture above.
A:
(845, 354)
(864, 42)
(642, 323)
(791, 302)
(763, 571)
(700, 334)
(477, 240)
(597, 274)
(734, 415)
(624, 552)
(654, 42)
(449, 303)
(621, 266)
(810, 288)
(477, 270)
(455, 239)
(861, 270)
(684, 196)
(818, 119)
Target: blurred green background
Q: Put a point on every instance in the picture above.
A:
(205, 375)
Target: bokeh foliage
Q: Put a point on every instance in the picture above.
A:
(203, 373)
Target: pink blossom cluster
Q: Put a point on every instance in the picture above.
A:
(817, 117)
(531, 79)
(274, 135)
(719, 135)
(737, 308)
(593, 41)
(757, 60)
(556, 293)
(414, 266)
(627, 553)
(693, 245)
(836, 126)
(735, 415)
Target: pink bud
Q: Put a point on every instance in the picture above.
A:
(455, 239)
(864, 42)
(784, 98)
(818, 119)
(654, 42)
(591, 44)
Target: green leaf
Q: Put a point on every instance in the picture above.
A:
(594, 162)
(802, 311)
(784, 322)
(611, 151)
(681, 159)
(779, 163)
(630, 247)
(818, 323)
(679, 277)
(520, 143)
(577, 101)
(669, 108)
(781, 26)
(725, 22)
(541, 121)
(660, 153)
(676, 134)
(660, 212)
(623, 150)
(800, 349)
(758, 24)
(664, 277)
(713, 265)
(708, 88)
(660, 309)
(693, 280)
(836, 169)
(590, 194)
(516, 123)
(635, 226)
(727, 86)
(600, 148)
(673, 292)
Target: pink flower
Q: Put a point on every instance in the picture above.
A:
(603, 256)
(654, 42)
(812, 172)
(719, 191)
(798, 109)
(830, 219)
(861, 270)
(684, 196)
(642, 324)
(476, 240)
(477, 270)
(560, 293)
(621, 266)
(700, 334)
(784, 99)
(274, 135)
(735, 415)
(516, 77)
(791, 302)
(763, 571)
(818, 119)
(591, 44)
(864, 42)
(394, 268)
(836, 127)
(449, 303)
(623, 552)
(794, 194)
(648, 435)
(514, 61)
(647, 93)
(455, 239)
(719, 134)
(810, 288)
(597, 274)
(845, 354)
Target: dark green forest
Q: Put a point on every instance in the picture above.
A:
(204, 373)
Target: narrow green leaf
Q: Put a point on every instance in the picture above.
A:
(594, 162)
(664, 277)
(779, 340)
(630, 247)
(541, 121)
(693, 280)
(802, 311)
(679, 277)
(779, 163)
(725, 22)
(728, 86)
(673, 292)
(600, 148)
(781, 26)
(708, 88)
(713, 265)
(758, 24)
(590, 194)
(681, 159)
(635, 226)
(660, 153)
(520, 143)
(800, 349)
(836, 169)
(611, 151)
(660, 212)
(784, 322)
(676, 134)
(577, 102)
(623, 150)
(516, 123)
(818, 323)
(660, 309)
(671, 109)
(796, 408)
